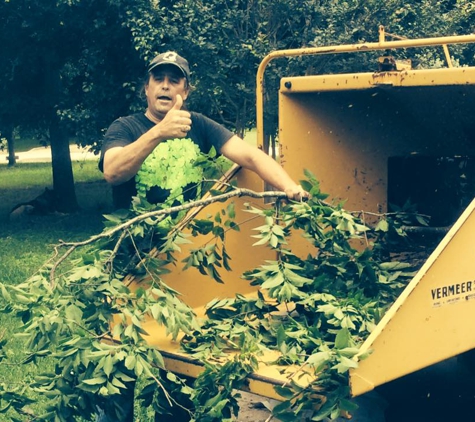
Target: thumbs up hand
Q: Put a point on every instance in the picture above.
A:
(175, 124)
(178, 102)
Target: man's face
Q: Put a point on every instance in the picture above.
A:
(165, 82)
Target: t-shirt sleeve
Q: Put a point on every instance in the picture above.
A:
(117, 135)
(212, 133)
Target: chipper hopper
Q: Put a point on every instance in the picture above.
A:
(371, 139)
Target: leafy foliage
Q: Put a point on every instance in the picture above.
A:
(313, 312)
(226, 42)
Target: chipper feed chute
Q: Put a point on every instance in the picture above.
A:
(432, 320)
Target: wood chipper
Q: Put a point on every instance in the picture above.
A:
(372, 139)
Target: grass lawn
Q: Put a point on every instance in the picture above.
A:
(25, 143)
(27, 242)
(25, 181)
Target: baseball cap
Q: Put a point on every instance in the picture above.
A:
(170, 57)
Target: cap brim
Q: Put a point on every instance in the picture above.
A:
(151, 68)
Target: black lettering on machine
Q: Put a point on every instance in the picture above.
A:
(453, 293)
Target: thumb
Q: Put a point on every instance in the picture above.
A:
(178, 102)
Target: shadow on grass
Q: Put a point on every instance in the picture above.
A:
(94, 198)
(27, 241)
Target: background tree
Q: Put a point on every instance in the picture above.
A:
(70, 67)
(60, 55)
(12, 100)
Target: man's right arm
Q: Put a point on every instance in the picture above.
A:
(122, 163)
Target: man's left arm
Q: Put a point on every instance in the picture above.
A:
(262, 164)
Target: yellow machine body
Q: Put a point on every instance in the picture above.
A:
(346, 129)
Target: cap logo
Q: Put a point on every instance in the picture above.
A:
(170, 56)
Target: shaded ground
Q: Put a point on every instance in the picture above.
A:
(444, 392)
(253, 408)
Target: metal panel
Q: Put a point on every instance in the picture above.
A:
(345, 137)
(352, 81)
(432, 320)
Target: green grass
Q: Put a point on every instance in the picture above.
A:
(27, 234)
(26, 243)
(30, 175)
(24, 182)
(25, 143)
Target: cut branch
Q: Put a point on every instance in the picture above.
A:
(159, 213)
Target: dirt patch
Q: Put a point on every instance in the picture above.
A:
(255, 408)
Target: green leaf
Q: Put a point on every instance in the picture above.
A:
(85, 272)
(112, 389)
(343, 339)
(95, 381)
(74, 313)
(124, 377)
(280, 335)
(296, 279)
(273, 282)
(345, 364)
(6, 295)
(117, 383)
(285, 392)
(382, 225)
(348, 351)
(108, 365)
(130, 362)
(319, 358)
(348, 405)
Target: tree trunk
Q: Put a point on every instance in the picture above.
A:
(63, 178)
(8, 133)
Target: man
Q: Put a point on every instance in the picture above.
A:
(130, 140)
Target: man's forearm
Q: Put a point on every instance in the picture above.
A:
(271, 172)
(123, 163)
(265, 166)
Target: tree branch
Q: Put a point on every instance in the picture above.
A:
(158, 213)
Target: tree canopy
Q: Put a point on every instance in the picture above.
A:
(69, 67)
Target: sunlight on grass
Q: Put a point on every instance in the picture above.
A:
(28, 175)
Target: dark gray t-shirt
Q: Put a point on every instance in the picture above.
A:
(205, 133)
